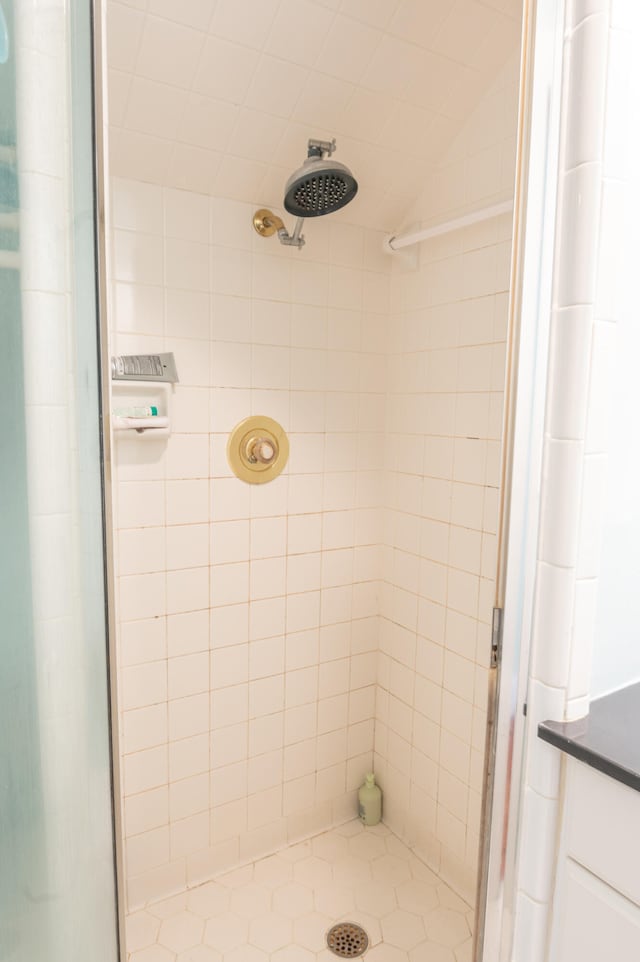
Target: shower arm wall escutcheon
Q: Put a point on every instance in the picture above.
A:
(267, 224)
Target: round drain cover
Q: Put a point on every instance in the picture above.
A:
(347, 940)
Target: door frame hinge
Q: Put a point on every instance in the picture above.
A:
(497, 622)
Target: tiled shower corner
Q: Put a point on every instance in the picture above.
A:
(279, 908)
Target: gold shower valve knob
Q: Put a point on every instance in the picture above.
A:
(262, 450)
(257, 450)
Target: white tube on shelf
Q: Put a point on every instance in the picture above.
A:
(136, 411)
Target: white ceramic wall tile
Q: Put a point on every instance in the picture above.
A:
(587, 84)
(553, 624)
(539, 844)
(234, 666)
(581, 195)
(597, 42)
(560, 507)
(237, 93)
(570, 371)
(427, 746)
(288, 648)
(530, 935)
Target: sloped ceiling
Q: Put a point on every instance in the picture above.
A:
(221, 96)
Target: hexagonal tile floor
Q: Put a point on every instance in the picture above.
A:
(280, 908)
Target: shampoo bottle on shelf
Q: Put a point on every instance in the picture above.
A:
(370, 801)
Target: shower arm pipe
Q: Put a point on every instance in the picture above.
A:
(292, 240)
(398, 241)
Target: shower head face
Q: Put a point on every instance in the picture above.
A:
(319, 187)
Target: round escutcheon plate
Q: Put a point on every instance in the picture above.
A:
(257, 449)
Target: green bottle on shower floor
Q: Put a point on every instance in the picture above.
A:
(370, 801)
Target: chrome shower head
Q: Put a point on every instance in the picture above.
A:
(321, 186)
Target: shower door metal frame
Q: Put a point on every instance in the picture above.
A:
(98, 40)
(523, 431)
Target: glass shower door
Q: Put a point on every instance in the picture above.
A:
(57, 866)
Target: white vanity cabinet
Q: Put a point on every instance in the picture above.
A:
(596, 907)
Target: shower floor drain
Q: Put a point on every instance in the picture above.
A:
(347, 940)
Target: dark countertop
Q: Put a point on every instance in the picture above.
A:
(608, 738)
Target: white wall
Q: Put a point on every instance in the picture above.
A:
(222, 97)
(591, 234)
(616, 652)
(249, 620)
(444, 429)
(247, 614)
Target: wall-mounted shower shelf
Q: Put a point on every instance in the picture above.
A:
(140, 394)
(157, 425)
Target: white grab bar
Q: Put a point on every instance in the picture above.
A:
(398, 241)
